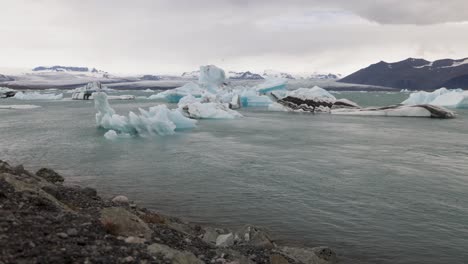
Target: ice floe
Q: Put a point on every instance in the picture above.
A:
(271, 84)
(19, 106)
(424, 110)
(174, 95)
(210, 110)
(37, 96)
(6, 89)
(456, 98)
(318, 100)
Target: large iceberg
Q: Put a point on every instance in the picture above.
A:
(211, 82)
(316, 100)
(211, 78)
(423, 110)
(37, 96)
(158, 120)
(456, 98)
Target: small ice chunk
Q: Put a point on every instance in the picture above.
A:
(111, 135)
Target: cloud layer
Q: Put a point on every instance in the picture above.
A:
(146, 36)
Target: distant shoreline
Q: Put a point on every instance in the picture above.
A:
(166, 86)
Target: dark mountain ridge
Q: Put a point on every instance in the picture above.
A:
(414, 74)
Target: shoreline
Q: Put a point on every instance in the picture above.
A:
(44, 220)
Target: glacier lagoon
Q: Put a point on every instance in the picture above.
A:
(376, 189)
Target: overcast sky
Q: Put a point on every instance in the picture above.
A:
(171, 36)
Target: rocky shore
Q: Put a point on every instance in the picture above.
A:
(43, 220)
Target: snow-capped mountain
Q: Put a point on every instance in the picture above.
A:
(414, 74)
(149, 77)
(324, 76)
(4, 78)
(277, 74)
(247, 75)
(59, 68)
(191, 75)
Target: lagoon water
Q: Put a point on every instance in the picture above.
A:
(376, 189)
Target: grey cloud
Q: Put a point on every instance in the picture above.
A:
(177, 35)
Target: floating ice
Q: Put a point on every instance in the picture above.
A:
(211, 78)
(37, 96)
(313, 100)
(199, 110)
(120, 97)
(312, 93)
(207, 107)
(271, 84)
(399, 110)
(148, 91)
(85, 92)
(157, 120)
(6, 89)
(18, 106)
(250, 98)
(442, 97)
(174, 95)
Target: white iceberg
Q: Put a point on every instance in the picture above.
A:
(37, 96)
(456, 98)
(211, 78)
(158, 120)
(148, 91)
(207, 107)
